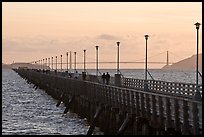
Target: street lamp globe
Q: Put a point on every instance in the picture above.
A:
(118, 43)
(197, 25)
(146, 36)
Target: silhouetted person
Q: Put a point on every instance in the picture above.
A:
(107, 78)
(84, 75)
(104, 78)
(76, 75)
(70, 75)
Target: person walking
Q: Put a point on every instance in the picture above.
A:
(104, 78)
(76, 75)
(107, 78)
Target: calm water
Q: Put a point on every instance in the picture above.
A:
(29, 111)
(157, 74)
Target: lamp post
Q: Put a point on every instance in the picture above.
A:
(146, 86)
(41, 64)
(61, 63)
(56, 63)
(35, 65)
(118, 43)
(167, 58)
(67, 62)
(45, 63)
(70, 60)
(75, 61)
(197, 94)
(52, 63)
(49, 63)
(84, 60)
(97, 60)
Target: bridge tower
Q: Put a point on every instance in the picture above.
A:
(70, 60)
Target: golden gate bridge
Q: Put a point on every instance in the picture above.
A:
(138, 61)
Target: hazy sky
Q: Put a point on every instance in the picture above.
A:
(33, 31)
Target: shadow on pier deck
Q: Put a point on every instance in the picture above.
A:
(166, 109)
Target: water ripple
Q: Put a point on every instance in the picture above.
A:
(26, 111)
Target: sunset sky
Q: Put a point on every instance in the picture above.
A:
(34, 31)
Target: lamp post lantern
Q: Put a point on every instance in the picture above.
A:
(197, 94)
(146, 86)
(118, 43)
(97, 60)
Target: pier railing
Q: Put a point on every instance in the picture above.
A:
(163, 111)
(174, 88)
(186, 90)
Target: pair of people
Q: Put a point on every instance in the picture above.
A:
(106, 78)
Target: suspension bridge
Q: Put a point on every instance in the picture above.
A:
(51, 62)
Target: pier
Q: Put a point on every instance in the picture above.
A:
(124, 107)
(92, 68)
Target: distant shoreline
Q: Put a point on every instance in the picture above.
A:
(187, 64)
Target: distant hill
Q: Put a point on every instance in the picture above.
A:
(22, 64)
(186, 64)
(6, 66)
(28, 65)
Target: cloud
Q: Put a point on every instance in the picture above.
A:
(107, 37)
(26, 45)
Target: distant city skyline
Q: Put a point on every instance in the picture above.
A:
(35, 31)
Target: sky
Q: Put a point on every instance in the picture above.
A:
(37, 30)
